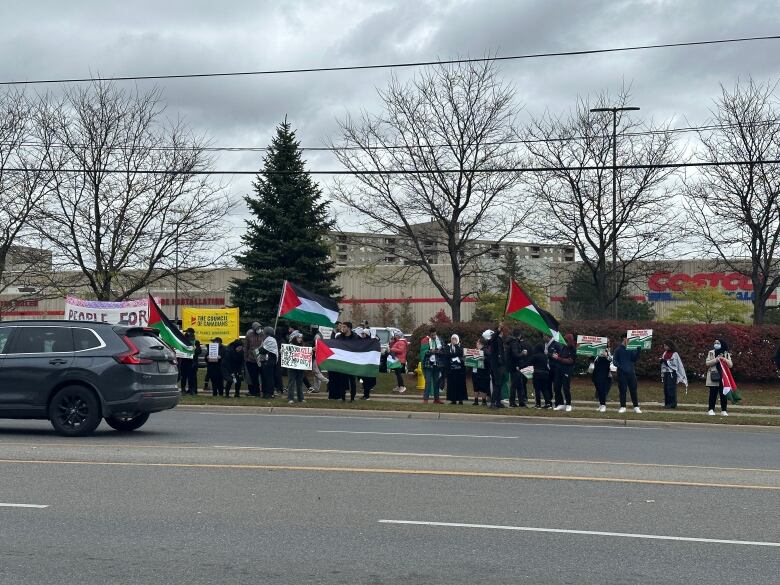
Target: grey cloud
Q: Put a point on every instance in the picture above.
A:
(52, 38)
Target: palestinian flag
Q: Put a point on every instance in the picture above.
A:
(298, 304)
(520, 307)
(425, 345)
(393, 363)
(729, 385)
(353, 356)
(169, 333)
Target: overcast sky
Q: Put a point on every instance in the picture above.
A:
(51, 39)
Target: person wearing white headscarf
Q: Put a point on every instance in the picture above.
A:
(456, 371)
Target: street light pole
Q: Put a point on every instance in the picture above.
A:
(176, 278)
(614, 198)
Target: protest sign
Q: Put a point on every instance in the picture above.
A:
(591, 345)
(640, 338)
(326, 332)
(473, 358)
(211, 323)
(213, 355)
(296, 357)
(130, 312)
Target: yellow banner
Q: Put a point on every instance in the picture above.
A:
(211, 323)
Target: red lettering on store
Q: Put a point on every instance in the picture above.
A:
(730, 281)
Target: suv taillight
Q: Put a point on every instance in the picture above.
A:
(130, 357)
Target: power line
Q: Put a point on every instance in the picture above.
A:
(406, 171)
(390, 65)
(681, 130)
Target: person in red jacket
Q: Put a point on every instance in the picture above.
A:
(398, 349)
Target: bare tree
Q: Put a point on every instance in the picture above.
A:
(25, 149)
(127, 213)
(435, 174)
(736, 208)
(576, 204)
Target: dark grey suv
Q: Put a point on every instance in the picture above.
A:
(75, 374)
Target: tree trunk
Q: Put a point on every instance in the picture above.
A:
(759, 306)
(456, 300)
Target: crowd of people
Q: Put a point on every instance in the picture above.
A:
(509, 360)
(506, 359)
(255, 360)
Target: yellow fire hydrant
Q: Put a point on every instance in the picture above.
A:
(420, 377)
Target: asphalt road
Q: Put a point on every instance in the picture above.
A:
(214, 497)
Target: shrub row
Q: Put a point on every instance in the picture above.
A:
(752, 347)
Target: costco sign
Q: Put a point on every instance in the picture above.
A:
(662, 285)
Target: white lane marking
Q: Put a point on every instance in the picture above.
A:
(2, 505)
(420, 434)
(583, 532)
(485, 457)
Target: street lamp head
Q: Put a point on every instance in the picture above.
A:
(620, 109)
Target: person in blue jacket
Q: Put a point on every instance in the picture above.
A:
(624, 360)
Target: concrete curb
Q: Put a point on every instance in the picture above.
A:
(453, 416)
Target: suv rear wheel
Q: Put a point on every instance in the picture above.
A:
(74, 411)
(127, 423)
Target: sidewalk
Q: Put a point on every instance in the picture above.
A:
(414, 395)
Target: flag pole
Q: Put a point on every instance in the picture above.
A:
(279, 310)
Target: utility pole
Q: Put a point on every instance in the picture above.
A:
(614, 199)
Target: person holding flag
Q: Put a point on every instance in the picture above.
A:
(183, 345)
(398, 350)
(430, 350)
(719, 364)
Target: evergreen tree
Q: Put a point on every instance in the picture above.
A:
(285, 237)
(406, 319)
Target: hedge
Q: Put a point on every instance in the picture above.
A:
(751, 346)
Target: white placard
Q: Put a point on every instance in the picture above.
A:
(296, 357)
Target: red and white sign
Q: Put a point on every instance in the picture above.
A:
(728, 281)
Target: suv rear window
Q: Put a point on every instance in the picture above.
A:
(146, 340)
(42, 340)
(84, 339)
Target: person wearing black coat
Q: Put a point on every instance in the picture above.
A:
(624, 360)
(519, 357)
(551, 348)
(233, 367)
(456, 371)
(564, 360)
(480, 378)
(496, 356)
(541, 377)
(214, 368)
(602, 377)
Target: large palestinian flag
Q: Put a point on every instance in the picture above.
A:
(520, 307)
(169, 333)
(354, 356)
(302, 306)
